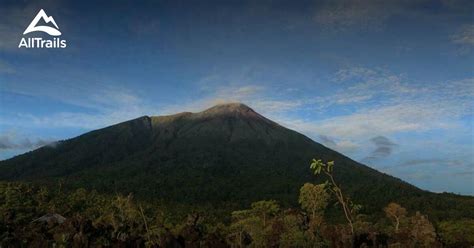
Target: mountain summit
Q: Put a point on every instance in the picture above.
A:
(231, 109)
(226, 154)
(228, 111)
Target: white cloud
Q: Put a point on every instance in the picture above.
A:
(384, 104)
(359, 85)
(400, 106)
(465, 36)
(362, 85)
(387, 104)
(452, 163)
(11, 139)
(106, 106)
(345, 146)
(83, 120)
(383, 120)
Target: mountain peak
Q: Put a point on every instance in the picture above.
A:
(227, 112)
(231, 110)
(206, 150)
(230, 107)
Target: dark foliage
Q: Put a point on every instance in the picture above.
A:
(227, 157)
(37, 217)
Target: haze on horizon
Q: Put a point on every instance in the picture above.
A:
(390, 85)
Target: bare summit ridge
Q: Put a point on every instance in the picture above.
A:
(233, 110)
(229, 108)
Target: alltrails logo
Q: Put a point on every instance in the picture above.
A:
(38, 42)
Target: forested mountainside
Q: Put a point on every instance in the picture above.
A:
(228, 154)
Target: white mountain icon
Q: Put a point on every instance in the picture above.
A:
(47, 29)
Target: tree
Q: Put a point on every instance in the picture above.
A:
(313, 198)
(422, 231)
(243, 223)
(395, 212)
(348, 206)
(292, 233)
(255, 223)
(457, 233)
(265, 209)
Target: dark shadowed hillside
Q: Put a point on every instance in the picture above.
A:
(228, 153)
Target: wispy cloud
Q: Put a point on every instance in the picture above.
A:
(465, 36)
(395, 105)
(383, 148)
(344, 145)
(12, 140)
(432, 161)
(387, 104)
(326, 140)
(464, 39)
(104, 106)
(360, 85)
(383, 120)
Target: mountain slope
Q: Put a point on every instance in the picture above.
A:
(226, 154)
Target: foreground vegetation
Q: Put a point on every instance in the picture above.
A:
(34, 216)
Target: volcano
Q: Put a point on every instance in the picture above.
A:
(226, 154)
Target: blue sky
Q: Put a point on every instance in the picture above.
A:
(388, 84)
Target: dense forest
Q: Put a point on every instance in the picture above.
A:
(218, 160)
(37, 216)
